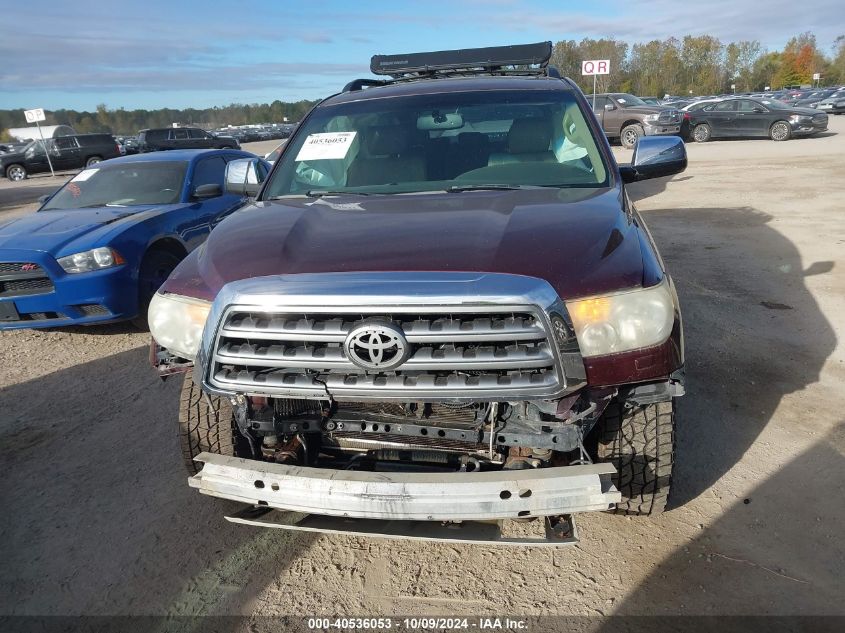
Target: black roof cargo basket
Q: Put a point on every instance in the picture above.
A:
(518, 59)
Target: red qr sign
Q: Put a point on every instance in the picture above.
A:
(595, 67)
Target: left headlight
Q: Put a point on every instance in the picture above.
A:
(95, 259)
(176, 322)
(624, 321)
(651, 117)
(800, 118)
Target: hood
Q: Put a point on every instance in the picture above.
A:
(8, 158)
(805, 111)
(647, 109)
(579, 240)
(52, 231)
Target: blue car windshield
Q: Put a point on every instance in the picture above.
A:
(122, 185)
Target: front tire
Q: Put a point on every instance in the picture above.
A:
(640, 443)
(701, 133)
(203, 428)
(155, 269)
(93, 161)
(780, 131)
(16, 173)
(630, 135)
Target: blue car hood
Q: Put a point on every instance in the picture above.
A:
(51, 231)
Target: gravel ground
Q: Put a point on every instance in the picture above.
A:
(98, 519)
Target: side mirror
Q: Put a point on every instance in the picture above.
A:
(655, 156)
(609, 107)
(211, 190)
(245, 176)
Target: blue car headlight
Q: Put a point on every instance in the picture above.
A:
(95, 259)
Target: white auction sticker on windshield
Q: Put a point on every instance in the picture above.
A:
(84, 175)
(326, 146)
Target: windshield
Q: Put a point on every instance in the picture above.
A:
(627, 100)
(442, 142)
(122, 185)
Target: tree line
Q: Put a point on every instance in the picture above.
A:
(690, 65)
(701, 65)
(127, 122)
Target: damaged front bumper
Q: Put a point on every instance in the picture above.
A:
(458, 496)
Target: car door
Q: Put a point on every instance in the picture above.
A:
(201, 139)
(598, 109)
(752, 118)
(208, 212)
(721, 118)
(179, 138)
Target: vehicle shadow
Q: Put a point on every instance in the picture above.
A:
(778, 552)
(97, 516)
(753, 333)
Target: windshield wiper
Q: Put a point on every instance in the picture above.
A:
(459, 188)
(317, 193)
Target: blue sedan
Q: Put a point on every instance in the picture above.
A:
(99, 248)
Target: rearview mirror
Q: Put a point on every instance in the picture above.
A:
(655, 156)
(245, 176)
(211, 190)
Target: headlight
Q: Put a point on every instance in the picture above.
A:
(624, 321)
(651, 117)
(176, 323)
(87, 261)
(801, 118)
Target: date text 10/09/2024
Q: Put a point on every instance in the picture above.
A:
(416, 624)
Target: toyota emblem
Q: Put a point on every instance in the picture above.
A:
(377, 345)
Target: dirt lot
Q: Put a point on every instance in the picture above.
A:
(97, 517)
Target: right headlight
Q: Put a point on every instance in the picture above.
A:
(623, 321)
(176, 323)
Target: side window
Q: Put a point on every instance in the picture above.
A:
(178, 134)
(725, 106)
(747, 106)
(209, 171)
(600, 102)
(65, 142)
(197, 133)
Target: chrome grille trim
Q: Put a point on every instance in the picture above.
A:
(474, 337)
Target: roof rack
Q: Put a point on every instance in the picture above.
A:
(521, 59)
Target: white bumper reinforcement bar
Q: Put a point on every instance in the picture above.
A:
(504, 494)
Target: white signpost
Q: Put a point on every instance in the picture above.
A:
(35, 116)
(595, 67)
(816, 77)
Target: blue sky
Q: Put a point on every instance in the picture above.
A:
(200, 53)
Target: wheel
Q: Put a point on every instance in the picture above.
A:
(630, 135)
(203, 428)
(155, 269)
(780, 131)
(640, 443)
(93, 161)
(701, 133)
(15, 173)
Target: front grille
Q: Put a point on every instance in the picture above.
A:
(42, 316)
(17, 267)
(21, 287)
(487, 353)
(23, 278)
(669, 117)
(93, 309)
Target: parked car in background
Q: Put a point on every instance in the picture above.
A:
(834, 104)
(66, 152)
(99, 248)
(754, 117)
(628, 118)
(652, 101)
(169, 138)
(130, 144)
(810, 99)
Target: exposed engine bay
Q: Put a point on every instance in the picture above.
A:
(418, 436)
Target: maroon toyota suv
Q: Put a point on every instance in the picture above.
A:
(441, 317)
